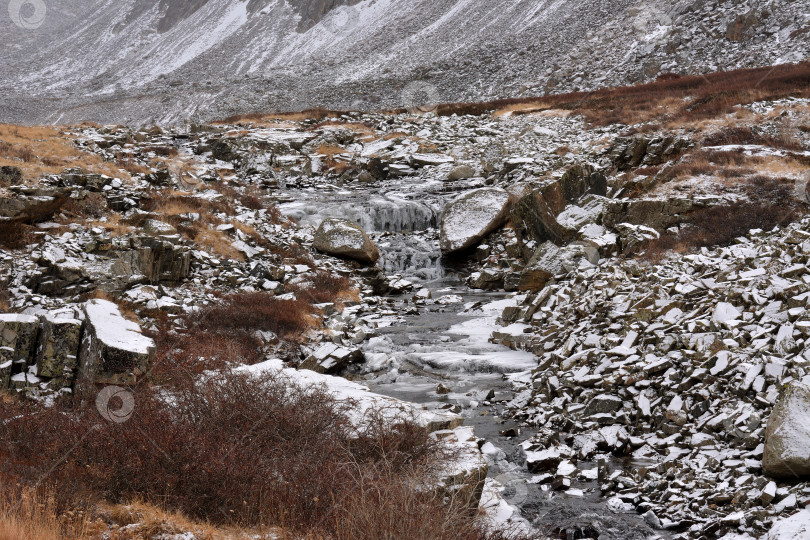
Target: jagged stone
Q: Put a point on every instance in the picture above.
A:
(544, 265)
(19, 333)
(58, 349)
(331, 358)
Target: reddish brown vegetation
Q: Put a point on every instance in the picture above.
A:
(740, 135)
(225, 334)
(240, 450)
(665, 99)
(771, 204)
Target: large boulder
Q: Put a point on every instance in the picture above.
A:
(470, 217)
(535, 217)
(345, 239)
(787, 437)
(113, 350)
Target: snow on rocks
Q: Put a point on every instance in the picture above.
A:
(685, 361)
(113, 350)
(345, 239)
(471, 216)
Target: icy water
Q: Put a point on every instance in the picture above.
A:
(447, 342)
(448, 345)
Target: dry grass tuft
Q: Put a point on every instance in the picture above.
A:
(27, 514)
(40, 150)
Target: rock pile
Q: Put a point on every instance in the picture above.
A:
(680, 366)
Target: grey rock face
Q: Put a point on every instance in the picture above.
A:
(19, 334)
(345, 239)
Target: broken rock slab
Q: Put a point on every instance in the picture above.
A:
(787, 437)
(58, 349)
(19, 334)
(331, 358)
(113, 350)
(345, 239)
(470, 217)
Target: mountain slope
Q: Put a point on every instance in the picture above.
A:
(139, 61)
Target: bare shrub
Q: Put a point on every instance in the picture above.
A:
(225, 334)
(325, 287)
(742, 136)
(720, 225)
(247, 450)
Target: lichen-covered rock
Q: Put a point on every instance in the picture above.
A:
(58, 349)
(787, 437)
(113, 350)
(6, 364)
(470, 217)
(19, 332)
(345, 239)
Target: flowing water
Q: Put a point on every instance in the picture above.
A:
(447, 342)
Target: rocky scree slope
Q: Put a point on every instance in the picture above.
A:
(145, 62)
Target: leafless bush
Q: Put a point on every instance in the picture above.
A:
(244, 450)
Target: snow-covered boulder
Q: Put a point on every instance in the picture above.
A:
(345, 239)
(113, 349)
(787, 437)
(796, 527)
(470, 217)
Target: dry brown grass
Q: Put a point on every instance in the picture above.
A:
(113, 225)
(43, 150)
(330, 150)
(272, 119)
(216, 242)
(27, 514)
(145, 520)
(671, 100)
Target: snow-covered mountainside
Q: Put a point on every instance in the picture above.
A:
(138, 61)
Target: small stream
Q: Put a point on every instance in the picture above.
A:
(447, 342)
